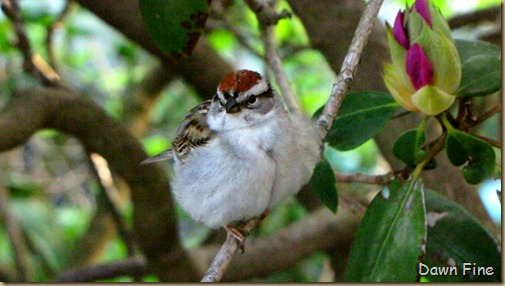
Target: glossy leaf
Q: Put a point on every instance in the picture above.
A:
(462, 147)
(175, 25)
(361, 116)
(481, 76)
(408, 147)
(456, 237)
(468, 49)
(323, 183)
(390, 238)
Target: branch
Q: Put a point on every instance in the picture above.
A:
(16, 238)
(126, 19)
(32, 64)
(320, 230)
(474, 17)
(223, 258)
(275, 63)
(101, 172)
(267, 19)
(488, 114)
(127, 267)
(349, 66)
(74, 113)
(365, 179)
(50, 32)
(494, 143)
(243, 38)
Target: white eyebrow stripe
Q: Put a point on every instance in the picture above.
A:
(221, 96)
(257, 89)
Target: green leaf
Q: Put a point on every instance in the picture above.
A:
(408, 147)
(361, 116)
(323, 183)
(456, 237)
(468, 49)
(175, 25)
(390, 237)
(462, 148)
(481, 76)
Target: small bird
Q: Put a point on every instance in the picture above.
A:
(241, 153)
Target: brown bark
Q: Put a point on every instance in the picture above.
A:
(321, 230)
(331, 25)
(71, 112)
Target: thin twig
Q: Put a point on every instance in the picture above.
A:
(488, 114)
(242, 37)
(401, 114)
(494, 143)
(16, 238)
(32, 64)
(102, 173)
(365, 179)
(349, 66)
(223, 258)
(50, 33)
(267, 19)
(275, 63)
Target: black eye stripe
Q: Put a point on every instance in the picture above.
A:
(267, 93)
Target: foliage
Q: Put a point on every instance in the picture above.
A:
(397, 214)
(404, 225)
(175, 25)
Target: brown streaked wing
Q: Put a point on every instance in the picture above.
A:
(198, 135)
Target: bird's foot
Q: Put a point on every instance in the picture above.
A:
(263, 215)
(239, 233)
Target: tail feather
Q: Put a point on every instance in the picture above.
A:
(165, 155)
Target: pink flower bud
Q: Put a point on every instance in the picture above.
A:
(399, 31)
(422, 8)
(418, 67)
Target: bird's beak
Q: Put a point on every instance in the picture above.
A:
(165, 155)
(232, 106)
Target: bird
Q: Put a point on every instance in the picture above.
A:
(239, 154)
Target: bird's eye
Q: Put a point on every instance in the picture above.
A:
(252, 100)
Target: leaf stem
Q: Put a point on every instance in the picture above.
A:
(433, 151)
(493, 142)
(488, 114)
